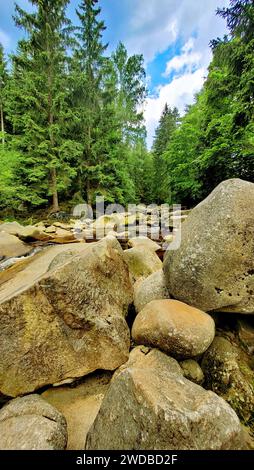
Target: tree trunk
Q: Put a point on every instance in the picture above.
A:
(53, 175)
(55, 206)
(2, 124)
(88, 185)
(88, 192)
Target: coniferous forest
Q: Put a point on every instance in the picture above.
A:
(72, 125)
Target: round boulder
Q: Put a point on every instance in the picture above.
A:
(175, 328)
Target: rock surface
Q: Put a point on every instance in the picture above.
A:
(152, 288)
(174, 327)
(246, 334)
(166, 412)
(141, 262)
(228, 374)
(65, 322)
(214, 267)
(144, 242)
(12, 247)
(30, 423)
(192, 371)
(79, 405)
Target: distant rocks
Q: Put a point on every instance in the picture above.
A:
(214, 267)
(30, 423)
(12, 247)
(174, 327)
(144, 242)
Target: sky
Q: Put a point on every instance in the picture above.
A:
(173, 36)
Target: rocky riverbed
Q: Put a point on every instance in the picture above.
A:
(123, 344)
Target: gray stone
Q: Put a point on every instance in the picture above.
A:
(30, 423)
(153, 407)
(214, 267)
(152, 288)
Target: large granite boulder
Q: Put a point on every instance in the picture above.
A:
(214, 267)
(151, 406)
(30, 423)
(175, 328)
(64, 319)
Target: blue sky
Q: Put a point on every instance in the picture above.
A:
(173, 35)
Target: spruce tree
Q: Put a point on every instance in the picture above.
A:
(39, 107)
(88, 64)
(3, 83)
(163, 135)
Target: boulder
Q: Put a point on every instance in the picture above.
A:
(27, 233)
(192, 371)
(64, 236)
(141, 262)
(64, 318)
(214, 267)
(11, 227)
(152, 288)
(227, 373)
(144, 242)
(79, 405)
(30, 423)
(174, 327)
(246, 333)
(150, 406)
(12, 247)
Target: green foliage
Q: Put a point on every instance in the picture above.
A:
(163, 135)
(71, 121)
(38, 107)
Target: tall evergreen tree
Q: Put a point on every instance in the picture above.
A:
(3, 83)
(163, 135)
(88, 65)
(39, 108)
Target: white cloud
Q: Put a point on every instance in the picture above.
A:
(154, 25)
(188, 58)
(5, 39)
(157, 26)
(180, 92)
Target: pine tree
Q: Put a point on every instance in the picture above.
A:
(3, 83)
(39, 108)
(88, 67)
(163, 134)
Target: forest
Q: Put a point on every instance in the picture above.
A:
(72, 124)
